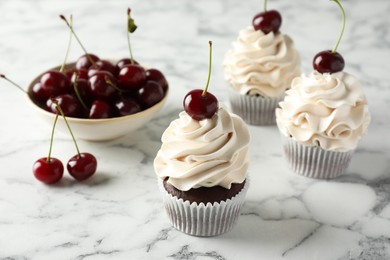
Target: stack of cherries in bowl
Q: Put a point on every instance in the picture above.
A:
(96, 89)
(102, 99)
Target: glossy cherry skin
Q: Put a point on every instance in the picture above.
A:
(38, 94)
(328, 62)
(156, 75)
(82, 166)
(132, 76)
(150, 94)
(126, 106)
(101, 65)
(99, 86)
(69, 104)
(121, 63)
(200, 106)
(48, 171)
(54, 83)
(81, 74)
(100, 109)
(269, 21)
(84, 63)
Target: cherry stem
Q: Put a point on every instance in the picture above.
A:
(68, 49)
(67, 124)
(265, 6)
(13, 83)
(342, 28)
(52, 137)
(111, 84)
(128, 37)
(78, 40)
(209, 73)
(76, 90)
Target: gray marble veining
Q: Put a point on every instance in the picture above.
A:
(118, 214)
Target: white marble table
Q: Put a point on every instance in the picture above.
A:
(118, 213)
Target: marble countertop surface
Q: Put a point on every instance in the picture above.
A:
(118, 214)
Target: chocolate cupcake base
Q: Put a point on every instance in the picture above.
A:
(203, 219)
(254, 110)
(315, 162)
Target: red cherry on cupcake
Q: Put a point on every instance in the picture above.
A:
(200, 104)
(267, 21)
(330, 61)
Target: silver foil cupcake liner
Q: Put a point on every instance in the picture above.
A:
(200, 219)
(254, 110)
(315, 162)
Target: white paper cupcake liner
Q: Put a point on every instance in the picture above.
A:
(200, 219)
(254, 110)
(315, 162)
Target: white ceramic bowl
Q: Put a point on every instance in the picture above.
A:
(97, 129)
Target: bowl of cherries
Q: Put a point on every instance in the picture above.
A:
(102, 99)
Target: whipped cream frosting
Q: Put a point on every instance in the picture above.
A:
(204, 153)
(263, 64)
(326, 110)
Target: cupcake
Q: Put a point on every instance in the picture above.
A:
(321, 120)
(323, 117)
(259, 68)
(202, 166)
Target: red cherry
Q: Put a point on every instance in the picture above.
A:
(82, 166)
(156, 75)
(150, 94)
(48, 171)
(101, 65)
(54, 83)
(132, 76)
(121, 63)
(268, 21)
(127, 106)
(100, 109)
(70, 105)
(38, 94)
(328, 62)
(99, 86)
(200, 106)
(84, 62)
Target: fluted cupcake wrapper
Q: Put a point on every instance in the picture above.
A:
(315, 162)
(200, 219)
(254, 110)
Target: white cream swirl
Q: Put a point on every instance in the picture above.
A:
(204, 153)
(326, 110)
(261, 63)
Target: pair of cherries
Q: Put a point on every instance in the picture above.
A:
(328, 61)
(50, 170)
